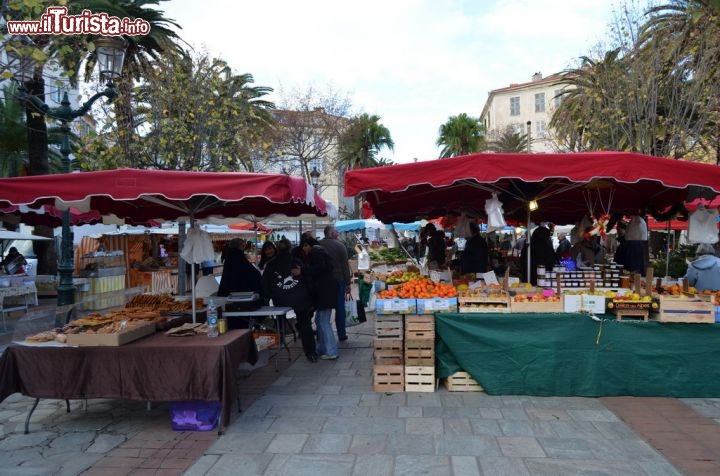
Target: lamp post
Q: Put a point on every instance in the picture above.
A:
(110, 53)
(315, 181)
(315, 177)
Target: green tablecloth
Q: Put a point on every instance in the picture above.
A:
(571, 354)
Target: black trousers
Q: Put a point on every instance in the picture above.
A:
(304, 326)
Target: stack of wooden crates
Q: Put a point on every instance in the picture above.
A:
(404, 356)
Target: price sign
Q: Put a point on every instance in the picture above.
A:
(489, 278)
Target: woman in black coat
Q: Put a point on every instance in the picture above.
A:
(239, 274)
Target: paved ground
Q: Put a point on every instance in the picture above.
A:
(325, 419)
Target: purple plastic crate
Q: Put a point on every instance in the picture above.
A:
(194, 415)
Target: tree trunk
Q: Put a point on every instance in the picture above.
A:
(38, 164)
(125, 122)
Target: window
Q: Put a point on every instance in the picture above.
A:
(59, 93)
(518, 128)
(557, 98)
(540, 129)
(515, 106)
(540, 102)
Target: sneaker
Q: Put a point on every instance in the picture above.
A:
(328, 357)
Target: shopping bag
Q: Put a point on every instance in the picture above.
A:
(351, 311)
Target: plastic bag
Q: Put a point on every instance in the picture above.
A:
(352, 317)
(494, 210)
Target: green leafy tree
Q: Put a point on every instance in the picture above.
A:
(461, 135)
(195, 114)
(652, 93)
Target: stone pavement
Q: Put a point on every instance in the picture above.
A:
(325, 419)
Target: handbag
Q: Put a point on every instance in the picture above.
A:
(352, 317)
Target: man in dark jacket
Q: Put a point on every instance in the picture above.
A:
(284, 283)
(320, 271)
(341, 272)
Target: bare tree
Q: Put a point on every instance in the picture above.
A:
(309, 122)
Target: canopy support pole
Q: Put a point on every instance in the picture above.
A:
(527, 243)
(667, 248)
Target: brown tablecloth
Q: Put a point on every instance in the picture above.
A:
(156, 368)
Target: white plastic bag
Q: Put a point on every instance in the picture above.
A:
(352, 318)
(494, 210)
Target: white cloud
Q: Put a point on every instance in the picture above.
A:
(412, 62)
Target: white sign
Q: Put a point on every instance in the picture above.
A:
(489, 278)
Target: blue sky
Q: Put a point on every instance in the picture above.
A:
(414, 63)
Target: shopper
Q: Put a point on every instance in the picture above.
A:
(14, 262)
(704, 272)
(267, 252)
(341, 273)
(320, 270)
(284, 282)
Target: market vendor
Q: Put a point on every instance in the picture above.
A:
(588, 251)
(14, 262)
(704, 272)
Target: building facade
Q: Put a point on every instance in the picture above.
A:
(525, 106)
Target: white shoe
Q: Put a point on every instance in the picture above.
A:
(328, 357)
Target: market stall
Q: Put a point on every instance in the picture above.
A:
(158, 368)
(559, 188)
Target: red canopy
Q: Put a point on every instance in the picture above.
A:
(143, 195)
(565, 186)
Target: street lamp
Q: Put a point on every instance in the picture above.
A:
(110, 54)
(314, 177)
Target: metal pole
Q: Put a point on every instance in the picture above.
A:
(529, 130)
(527, 243)
(66, 267)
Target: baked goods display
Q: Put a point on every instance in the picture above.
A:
(162, 302)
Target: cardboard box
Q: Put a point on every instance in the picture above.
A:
(111, 340)
(433, 305)
(395, 306)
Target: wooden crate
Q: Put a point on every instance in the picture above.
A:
(483, 304)
(388, 378)
(420, 352)
(388, 352)
(692, 309)
(634, 313)
(420, 327)
(389, 327)
(525, 307)
(462, 382)
(419, 378)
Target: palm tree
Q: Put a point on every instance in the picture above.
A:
(162, 41)
(13, 134)
(509, 142)
(359, 145)
(361, 142)
(461, 135)
(684, 34)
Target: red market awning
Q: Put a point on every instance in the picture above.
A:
(565, 186)
(140, 196)
(654, 225)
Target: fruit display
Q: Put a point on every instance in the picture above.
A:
(537, 297)
(419, 288)
(398, 277)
